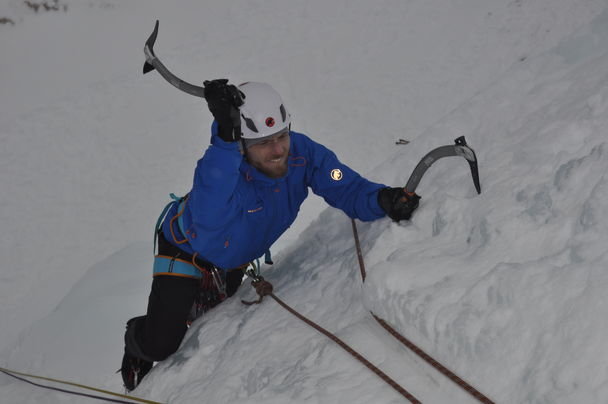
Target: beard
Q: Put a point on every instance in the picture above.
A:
(272, 169)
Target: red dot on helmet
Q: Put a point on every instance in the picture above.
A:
(270, 122)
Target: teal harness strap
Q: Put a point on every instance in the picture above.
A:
(163, 214)
(171, 266)
(166, 265)
(180, 219)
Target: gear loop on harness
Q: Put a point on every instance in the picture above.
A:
(213, 272)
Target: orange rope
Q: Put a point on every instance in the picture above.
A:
(442, 369)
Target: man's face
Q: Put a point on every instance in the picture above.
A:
(270, 155)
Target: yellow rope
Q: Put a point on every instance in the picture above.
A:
(141, 400)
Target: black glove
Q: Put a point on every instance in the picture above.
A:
(398, 204)
(224, 100)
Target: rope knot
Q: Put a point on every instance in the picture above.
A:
(262, 287)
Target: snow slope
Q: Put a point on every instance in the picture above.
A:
(504, 288)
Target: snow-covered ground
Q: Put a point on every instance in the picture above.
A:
(506, 288)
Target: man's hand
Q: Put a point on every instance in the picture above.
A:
(397, 203)
(224, 100)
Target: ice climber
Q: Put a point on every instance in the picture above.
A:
(247, 190)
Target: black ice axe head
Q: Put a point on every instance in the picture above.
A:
(459, 148)
(462, 149)
(153, 63)
(149, 49)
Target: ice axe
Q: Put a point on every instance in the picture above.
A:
(153, 63)
(459, 148)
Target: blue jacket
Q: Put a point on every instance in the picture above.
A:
(234, 213)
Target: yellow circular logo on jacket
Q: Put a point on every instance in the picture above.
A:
(336, 174)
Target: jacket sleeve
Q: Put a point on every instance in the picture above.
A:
(213, 199)
(342, 187)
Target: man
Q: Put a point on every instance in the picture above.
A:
(247, 190)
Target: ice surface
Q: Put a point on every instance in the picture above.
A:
(506, 288)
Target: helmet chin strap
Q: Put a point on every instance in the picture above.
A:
(243, 148)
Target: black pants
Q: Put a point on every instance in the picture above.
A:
(159, 333)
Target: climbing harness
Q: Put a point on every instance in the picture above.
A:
(172, 261)
(426, 357)
(212, 290)
(207, 298)
(22, 377)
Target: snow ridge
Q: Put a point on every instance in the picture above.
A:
(507, 288)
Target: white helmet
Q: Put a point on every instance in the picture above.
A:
(263, 113)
